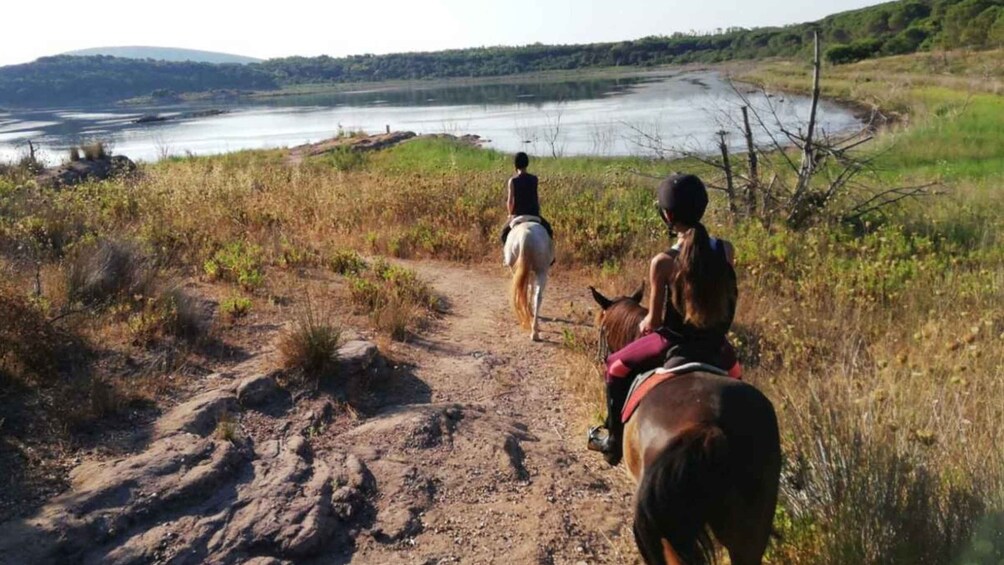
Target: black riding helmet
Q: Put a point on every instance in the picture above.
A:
(684, 198)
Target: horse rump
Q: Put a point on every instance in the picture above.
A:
(678, 491)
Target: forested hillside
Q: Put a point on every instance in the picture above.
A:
(886, 29)
(66, 79)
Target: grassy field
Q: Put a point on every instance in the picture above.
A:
(882, 348)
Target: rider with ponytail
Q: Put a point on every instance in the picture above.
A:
(691, 307)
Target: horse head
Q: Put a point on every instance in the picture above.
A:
(618, 318)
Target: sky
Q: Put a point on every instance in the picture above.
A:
(279, 28)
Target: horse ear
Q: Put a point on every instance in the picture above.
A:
(638, 294)
(603, 301)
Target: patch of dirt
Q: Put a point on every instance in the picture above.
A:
(462, 449)
(369, 143)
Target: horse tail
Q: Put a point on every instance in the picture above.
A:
(521, 289)
(678, 494)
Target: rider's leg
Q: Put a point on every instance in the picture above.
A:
(550, 234)
(643, 354)
(730, 360)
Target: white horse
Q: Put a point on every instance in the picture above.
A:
(528, 249)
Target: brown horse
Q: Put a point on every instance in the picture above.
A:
(705, 453)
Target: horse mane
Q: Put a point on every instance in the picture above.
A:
(620, 322)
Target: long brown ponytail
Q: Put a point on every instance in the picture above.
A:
(702, 288)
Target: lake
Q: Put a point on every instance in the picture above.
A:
(633, 115)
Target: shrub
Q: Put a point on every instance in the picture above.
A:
(95, 151)
(173, 313)
(27, 339)
(106, 271)
(346, 159)
(226, 427)
(394, 298)
(310, 346)
(396, 318)
(237, 262)
(346, 262)
(861, 49)
(235, 307)
(843, 473)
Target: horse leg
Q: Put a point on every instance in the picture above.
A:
(538, 297)
(746, 532)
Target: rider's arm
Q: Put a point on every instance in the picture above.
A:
(660, 271)
(510, 199)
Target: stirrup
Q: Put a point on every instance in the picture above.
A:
(595, 441)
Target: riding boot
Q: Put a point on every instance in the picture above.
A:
(611, 445)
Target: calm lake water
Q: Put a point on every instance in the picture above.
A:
(627, 116)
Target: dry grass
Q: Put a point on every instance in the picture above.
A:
(227, 427)
(396, 300)
(309, 348)
(107, 271)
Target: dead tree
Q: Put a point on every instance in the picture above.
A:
(730, 191)
(753, 182)
(552, 131)
(808, 166)
(823, 182)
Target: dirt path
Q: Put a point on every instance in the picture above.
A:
(551, 502)
(468, 454)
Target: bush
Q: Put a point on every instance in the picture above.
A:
(346, 159)
(95, 151)
(856, 497)
(235, 307)
(394, 298)
(107, 271)
(237, 262)
(173, 313)
(861, 49)
(27, 339)
(310, 347)
(347, 262)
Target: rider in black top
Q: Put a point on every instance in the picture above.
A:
(522, 196)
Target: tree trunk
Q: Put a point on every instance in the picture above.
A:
(727, 167)
(754, 181)
(798, 212)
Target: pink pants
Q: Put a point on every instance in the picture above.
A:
(649, 352)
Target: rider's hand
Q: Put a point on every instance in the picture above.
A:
(645, 326)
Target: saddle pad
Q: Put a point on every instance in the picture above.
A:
(522, 220)
(647, 381)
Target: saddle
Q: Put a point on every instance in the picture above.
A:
(522, 220)
(645, 382)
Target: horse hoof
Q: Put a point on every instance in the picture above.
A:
(535, 337)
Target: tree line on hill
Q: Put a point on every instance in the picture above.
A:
(892, 28)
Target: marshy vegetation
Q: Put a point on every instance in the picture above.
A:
(880, 342)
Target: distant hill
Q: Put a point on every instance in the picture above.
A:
(165, 54)
(892, 28)
(69, 80)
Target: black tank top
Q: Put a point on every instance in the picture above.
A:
(524, 193)
(673, 320)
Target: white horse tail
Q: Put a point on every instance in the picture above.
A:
(521, 290)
